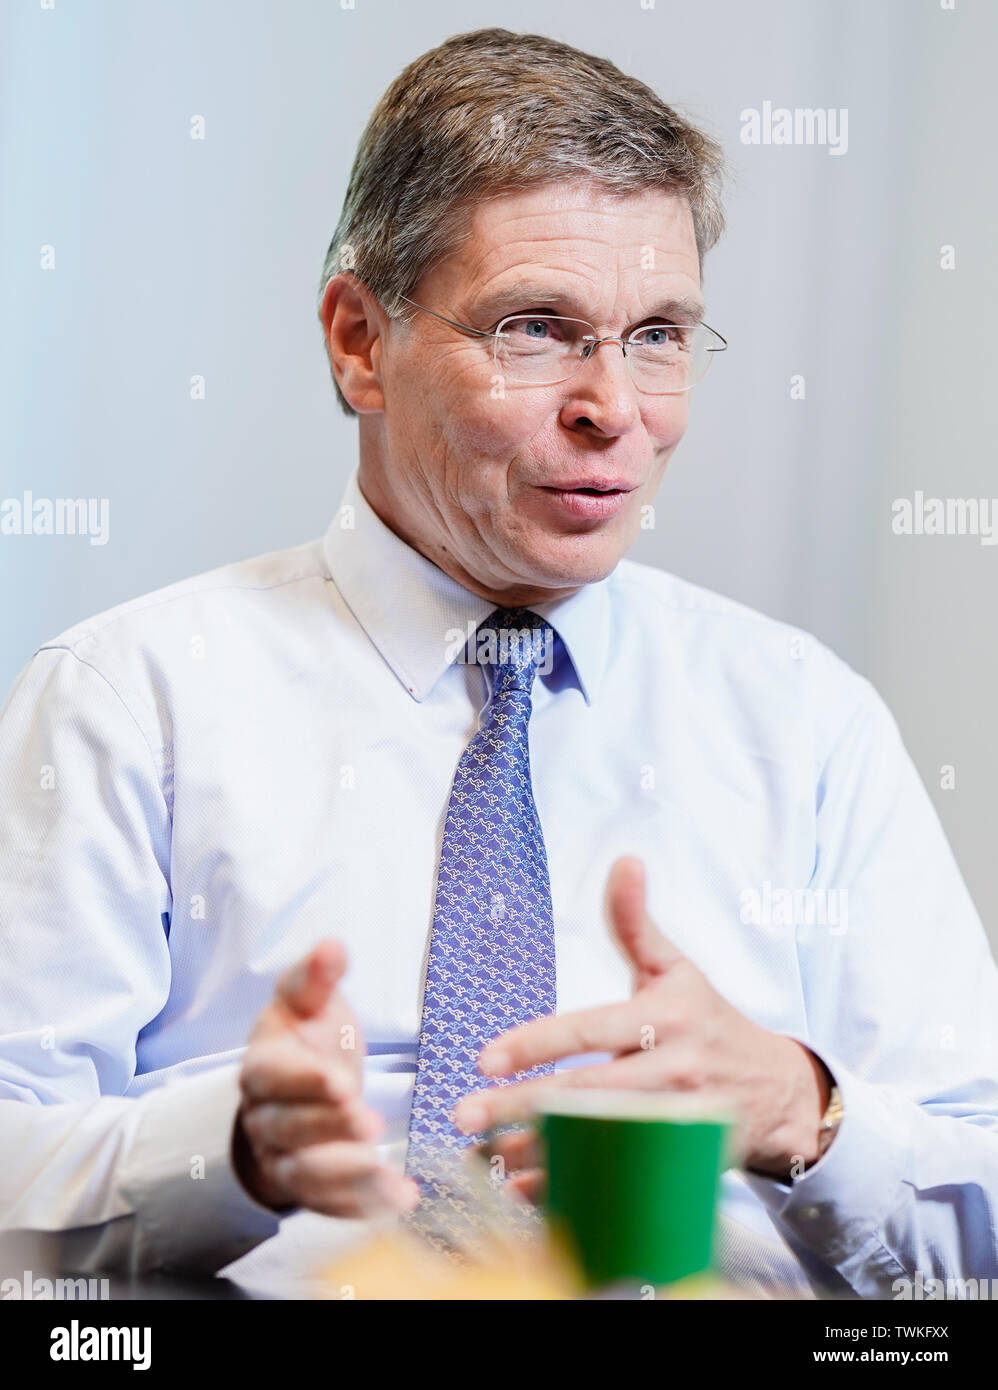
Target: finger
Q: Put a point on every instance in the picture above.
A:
(307, 986)
(501, 1105)
(606, 1028)
(343, 1179)
(286, 1069)
(281, 1127)
(520, 1149)
(649, 950)
(530, 1185)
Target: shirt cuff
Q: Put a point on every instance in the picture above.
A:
(840, 1204)
(192, 1213)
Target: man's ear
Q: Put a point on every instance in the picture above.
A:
(353, 324)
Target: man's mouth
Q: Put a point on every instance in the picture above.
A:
(593, 491)
(593, 499)
(592, 487)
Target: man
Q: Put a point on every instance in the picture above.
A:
(247, 817)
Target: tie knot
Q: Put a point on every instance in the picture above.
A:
(516, 643)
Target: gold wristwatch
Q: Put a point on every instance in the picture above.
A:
(830, 1120)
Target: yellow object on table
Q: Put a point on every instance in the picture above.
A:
(395, 1265)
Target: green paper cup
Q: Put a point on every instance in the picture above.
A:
(633, 1181)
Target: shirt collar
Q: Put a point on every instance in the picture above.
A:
(411, 610)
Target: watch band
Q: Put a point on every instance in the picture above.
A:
(830, 1120)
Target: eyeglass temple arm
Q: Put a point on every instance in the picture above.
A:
(461, 327)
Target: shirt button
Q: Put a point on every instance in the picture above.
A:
(809, 1213)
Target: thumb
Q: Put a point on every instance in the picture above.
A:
(307, 987)
(649, 950)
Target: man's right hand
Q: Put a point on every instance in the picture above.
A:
(303, 1136)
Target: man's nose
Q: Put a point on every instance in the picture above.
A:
(601, 395)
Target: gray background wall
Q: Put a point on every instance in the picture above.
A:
(176, 257)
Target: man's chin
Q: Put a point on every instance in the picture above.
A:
(572, 562)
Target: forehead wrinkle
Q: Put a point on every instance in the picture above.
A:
(649, 232)
(513, 253)
(576, 247)
(563, 202)
(644, 291)
(583, 262)
(549, 275)
(574, 255)
(510, 237)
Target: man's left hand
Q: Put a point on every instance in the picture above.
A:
(675, 1033)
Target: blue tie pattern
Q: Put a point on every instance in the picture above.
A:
(491, 962)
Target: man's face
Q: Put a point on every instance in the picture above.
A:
(483, 481)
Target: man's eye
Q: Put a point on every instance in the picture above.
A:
(659, 336)
(538, 327)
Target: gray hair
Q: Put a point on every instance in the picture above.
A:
(489, 112)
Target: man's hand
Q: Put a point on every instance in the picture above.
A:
(303, 1135)
(676, 1033)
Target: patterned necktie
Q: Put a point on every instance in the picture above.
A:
(491, 962)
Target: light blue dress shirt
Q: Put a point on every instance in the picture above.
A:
(197, 786)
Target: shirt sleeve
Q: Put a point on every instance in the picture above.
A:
(901, 998)
(101, 1179)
